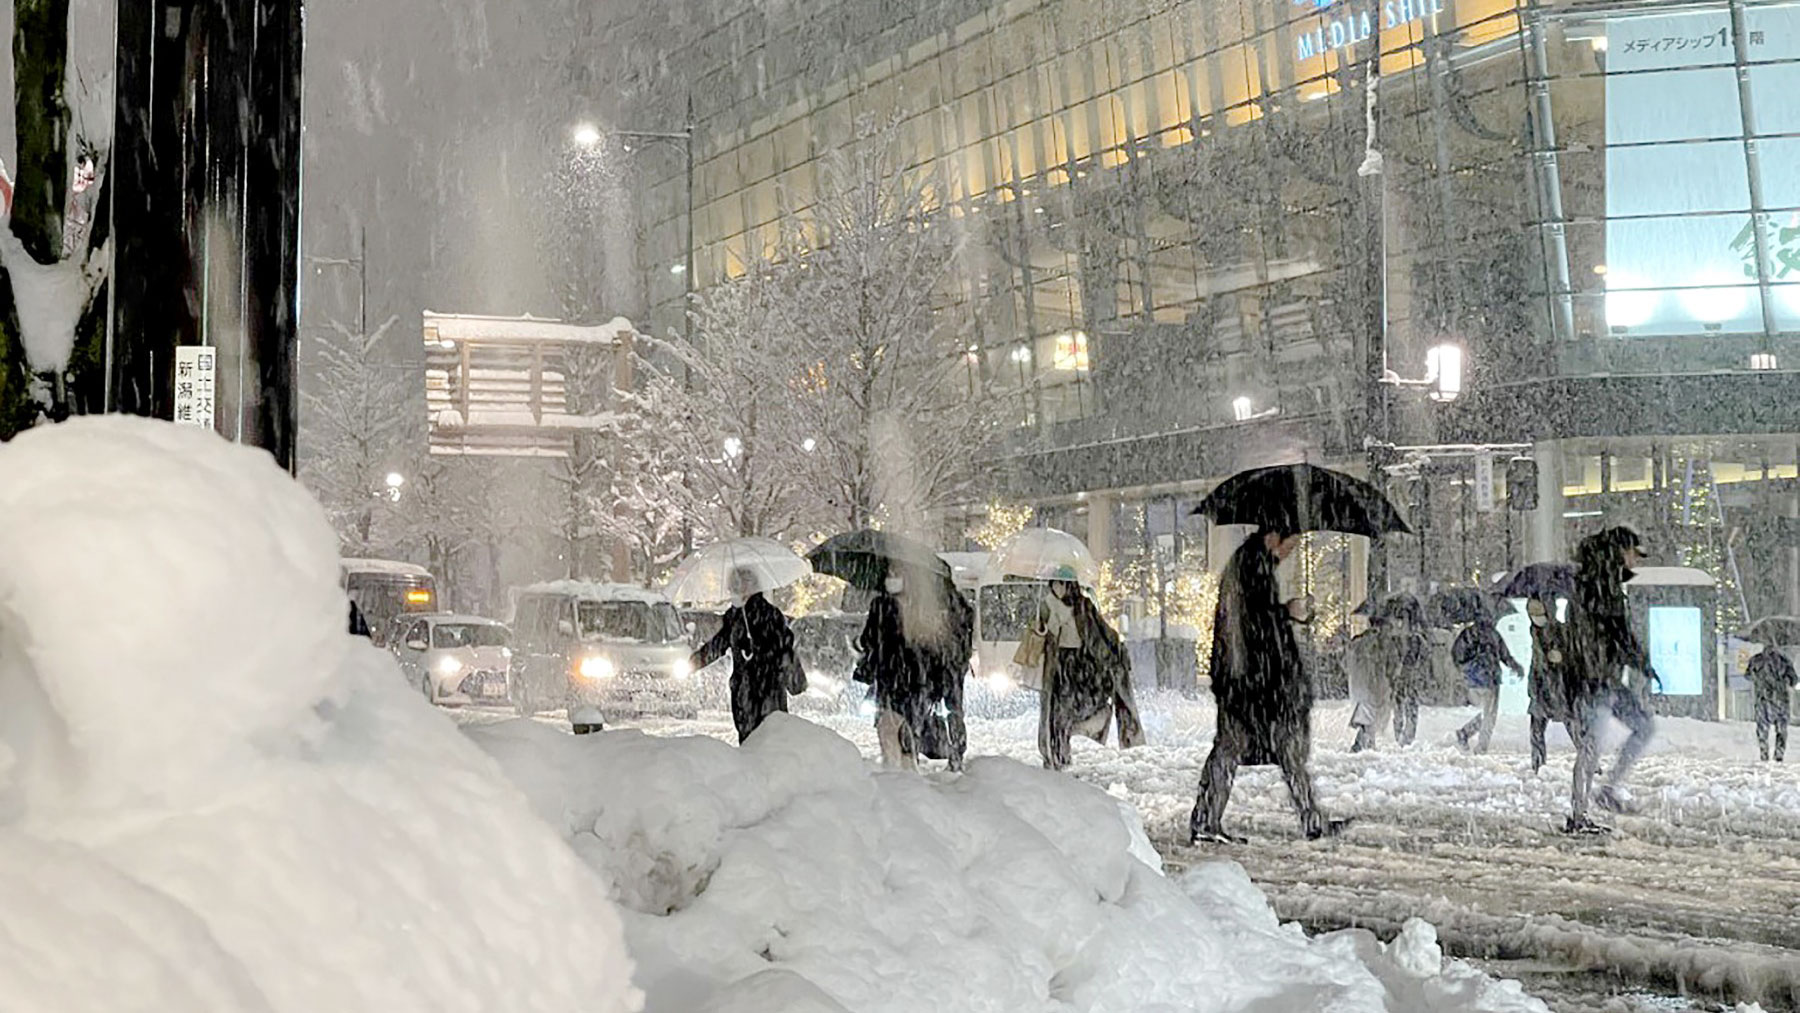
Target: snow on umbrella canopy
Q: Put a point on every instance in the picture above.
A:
(1045, 554)
(706, 576)
(1302, 497)
(864, 558)
(1541, 580)
(1777, 631)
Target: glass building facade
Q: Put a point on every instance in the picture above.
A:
(1206, 238)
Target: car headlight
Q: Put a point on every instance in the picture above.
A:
(449, 666)
(681, 669)
(597, 666)
(999, 682)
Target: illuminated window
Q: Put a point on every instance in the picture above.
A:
(1071, 352)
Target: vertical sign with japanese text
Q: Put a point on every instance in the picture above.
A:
(195, 367)
(1484, 483)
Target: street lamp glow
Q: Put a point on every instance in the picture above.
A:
(809, 444)
(586, 134)
(1444, 371)
(678, 269)
(733, 447)
(395, 480)
(1242, 408)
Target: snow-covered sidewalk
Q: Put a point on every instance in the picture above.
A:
(1700, 892)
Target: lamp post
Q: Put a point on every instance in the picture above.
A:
(362, 277)
(587, 135)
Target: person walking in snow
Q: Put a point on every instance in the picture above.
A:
(764, 667)
(1604, 650)
(1545, 683)
(1771, 676)
(892, 668)
(1372, 662)
(945, 657)
(1410, 671)
(1086, 679)
(1482, 656)
(1263, 692)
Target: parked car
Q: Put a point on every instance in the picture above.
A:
(454, 659)
(614, 646)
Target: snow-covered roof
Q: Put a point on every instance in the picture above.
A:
(1672, 576)
(498, 330)
(598, 591)
(388, 566)
(460, 618)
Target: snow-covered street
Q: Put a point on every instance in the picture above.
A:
(1698, 894)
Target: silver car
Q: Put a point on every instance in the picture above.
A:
(620, 648)
(455, 660)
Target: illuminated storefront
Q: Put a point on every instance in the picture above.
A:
(1192, 275)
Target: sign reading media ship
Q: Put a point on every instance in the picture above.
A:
(1340, 28)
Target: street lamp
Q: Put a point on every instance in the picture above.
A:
(1443, 380)
(586, 134)
(1242, 409)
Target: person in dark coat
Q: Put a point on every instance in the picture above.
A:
(1263, 692)
(1087, 677)
(945, 657)
(893, 669)
(1482, 656)
(1411, 673)
(1603, 647)
(1771, 677)
(1544, 684)
(763, 663)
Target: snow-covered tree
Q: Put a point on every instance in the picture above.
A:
(360, 418)
(885, 391)
(59, 159)
(828, 386)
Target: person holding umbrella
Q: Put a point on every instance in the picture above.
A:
(1263, 691)
(1086, 675)
(764, 667)
(1544, 586)
(945, 657)
(894, 671)
(1482, 656)
(1374, 663)
(1410, 657)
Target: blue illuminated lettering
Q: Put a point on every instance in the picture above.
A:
(1348, 30)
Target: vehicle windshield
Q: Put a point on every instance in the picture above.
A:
(1006, 609)
(642, 622)
(451, 635)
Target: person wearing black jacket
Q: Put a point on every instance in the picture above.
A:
(893, 668)
(1263, 691)
(1771, 676)
(1604, 647)
(764, 668)
(945, 658)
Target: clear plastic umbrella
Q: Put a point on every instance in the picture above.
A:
(1045, 554)
(705, 576)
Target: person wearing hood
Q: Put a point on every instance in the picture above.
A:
(1263, 691)
(1482, 656)
(1604, 650)
(894, 670)
(1771, 676)
(764, 667)
(1086, 676)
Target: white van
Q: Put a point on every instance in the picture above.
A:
(614, 646)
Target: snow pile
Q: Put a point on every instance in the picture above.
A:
(213, 798)
(789, 875)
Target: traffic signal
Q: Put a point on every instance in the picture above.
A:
(1521, 484)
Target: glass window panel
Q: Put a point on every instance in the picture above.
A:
(1779, 160)
(1673, 178)
(1686, 275)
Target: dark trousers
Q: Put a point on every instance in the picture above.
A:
(1230, 745)
(959, 729)
(1539, 725)
(1771, 716)
(1406, 717)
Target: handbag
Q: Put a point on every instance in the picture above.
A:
(934, 736)
(793, 674)
(1030, 654)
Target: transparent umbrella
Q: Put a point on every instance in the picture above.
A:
(705, 576)
(1045, 554)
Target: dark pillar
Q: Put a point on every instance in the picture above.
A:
(206, 210)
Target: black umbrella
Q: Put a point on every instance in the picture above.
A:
(1778, 631)
(1302, 497)
(1541, 580)
(1454, 606)
(864, 558)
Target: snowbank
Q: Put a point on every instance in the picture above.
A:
(211, 797)
(789, 875)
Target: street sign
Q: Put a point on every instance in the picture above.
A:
(195, 368)
(1521, 484)
(1484, 483)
